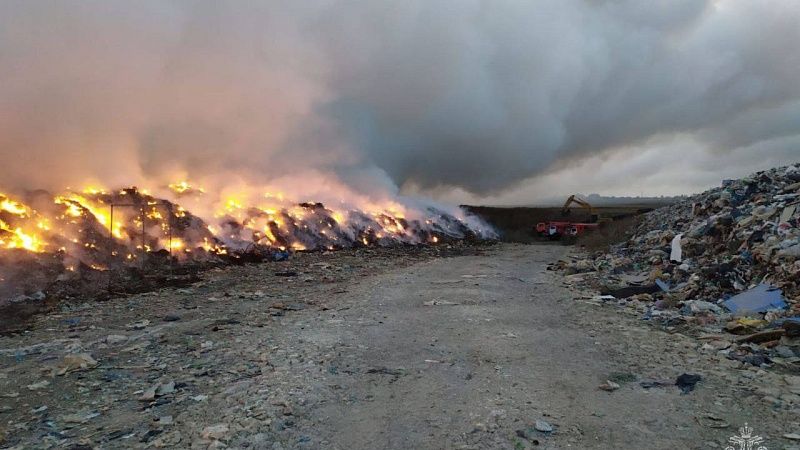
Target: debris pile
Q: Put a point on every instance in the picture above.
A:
(727, 259)
(99, 238)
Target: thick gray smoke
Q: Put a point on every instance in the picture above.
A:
(466, 94)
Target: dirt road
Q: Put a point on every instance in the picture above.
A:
(463, 352)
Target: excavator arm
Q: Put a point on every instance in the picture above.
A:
(573, 199)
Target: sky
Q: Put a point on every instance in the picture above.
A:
(464, 101)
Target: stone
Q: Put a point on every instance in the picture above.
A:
(114, 339)
(215, 432)
(39, 385)
(74, 362)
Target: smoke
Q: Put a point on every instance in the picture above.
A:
(323, 98)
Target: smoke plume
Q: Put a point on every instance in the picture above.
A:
(326, 98)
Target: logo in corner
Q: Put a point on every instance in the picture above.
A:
(745, 440)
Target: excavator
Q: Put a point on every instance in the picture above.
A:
(556, 229)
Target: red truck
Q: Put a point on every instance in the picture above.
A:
(555, 230)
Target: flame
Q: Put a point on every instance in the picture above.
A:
(173, 244)
(76, 204)
(184, 187)
(17, 238)
(94, 190)
(12, 207)
(143, 223)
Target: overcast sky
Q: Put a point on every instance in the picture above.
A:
(492, 101)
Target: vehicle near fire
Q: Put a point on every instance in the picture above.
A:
(557, 228)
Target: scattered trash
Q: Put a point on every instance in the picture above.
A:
(791, 326)
(149, 394)
(630, 291)
(649, 384)
(38, 385)
(687, 382)
(725, 260)
(286, 273)
(744, 325)
(165, 420)
(386, 371)
(609, 386)
(140, 325)
(761, 298)
(438, 303)
(712, 421)
(157, 390)
(280, 256)
(114, 339)
(543, 426)
(215, 431)
(762, 336)
(74, 362)
(78, 418)
(676, 254)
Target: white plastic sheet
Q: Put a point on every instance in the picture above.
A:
(677, 252)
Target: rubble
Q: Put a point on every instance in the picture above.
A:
(117, 375)
(95, 244)
(723, 261)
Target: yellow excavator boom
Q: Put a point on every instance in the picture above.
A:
(574, 199)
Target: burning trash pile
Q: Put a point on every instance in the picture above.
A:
(727, 260)
(79, 234)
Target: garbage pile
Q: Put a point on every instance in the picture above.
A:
(727, 260)
(82, 244)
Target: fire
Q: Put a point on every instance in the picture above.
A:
(173, 244)
(239, 220)
(12, 207)
(16, 238)
(93, 190)
(184, 187)
(14, 235)
(77, 204)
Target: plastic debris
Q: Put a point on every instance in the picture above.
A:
(761, 298)
(690, 264)
(687, 382)
(543, 426)
(676, 255)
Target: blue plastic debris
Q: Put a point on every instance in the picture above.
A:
(280, 256)
(664, 286)
(761, 298)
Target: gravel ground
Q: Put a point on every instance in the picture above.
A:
(466, 347)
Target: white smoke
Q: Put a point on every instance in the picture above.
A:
(325, 98)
